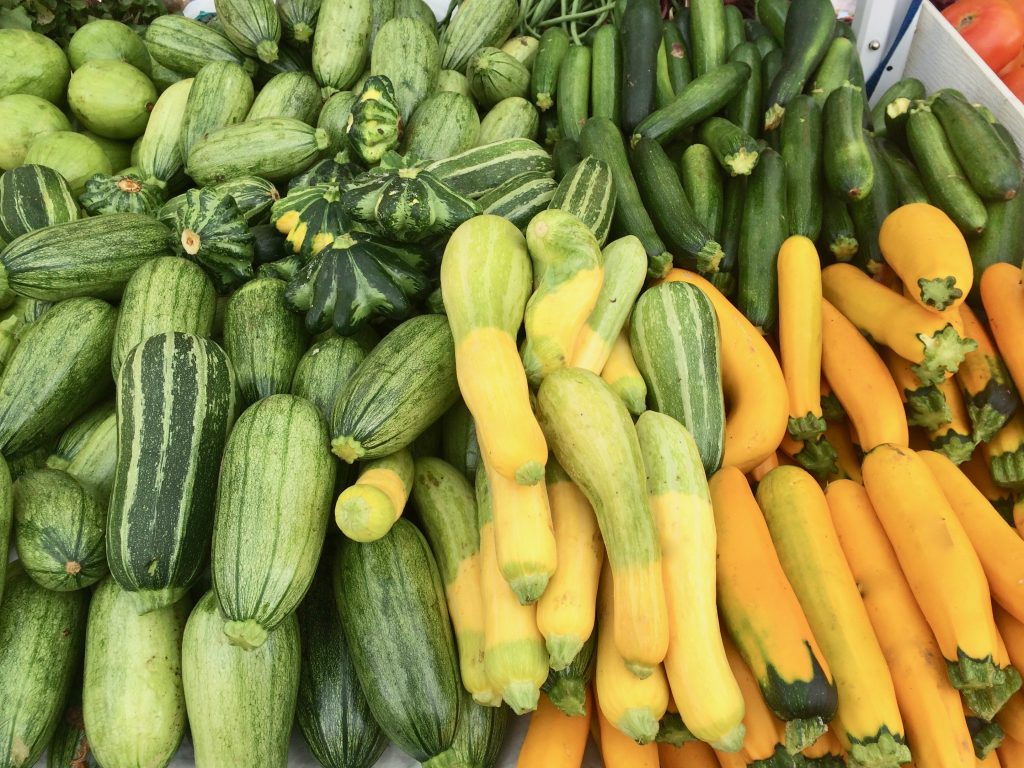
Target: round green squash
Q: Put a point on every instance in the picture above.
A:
(108, 39)
(22, 119)
(124, 193)
(118, 152)
(495, 75)
(32, 64)
(111, 98)
(76, 157)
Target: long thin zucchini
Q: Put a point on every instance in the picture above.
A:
(641, 37)
(606, 74)
(763, 231)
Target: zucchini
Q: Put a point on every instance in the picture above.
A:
(735, 150)
(444, 125)
(58, 530)
(394, 583)
(868, 214)
(897, 112)
(523, 48)
(405, 50)
(837, 233)
(662, 191)
(88, 452)
(735, 34)
(459, 445)
(263, 340)
(240, 703)
(161, 506)
(495, 75)
(333, 118)
(697, 101)
(41, 632)
(773, 14)
(252, 25)
(567, 688)
(573, 101)
(323, 371)
(520, 198)
(275, 487)
(602, 140)
(745, 108)
(801, 155)
(606, 74)
(480, 732)
(34, 197)
(702, 182)
(732, 225)
(677, 60)
(476, 24)
(288, 94)
(88, 257)
(341, 42)
(1000, 241)
(707, 36)
(511, 118)
(762, 233)
(810, 26)
(69, 747)
(848, 167)
(942, 175)
(185, 46)
(332, 712)
(167, 294)
(6, 519)
(57, 372)
(554, 44)
(908, 182)
(132, 695)
(674, 335)
(833, 71)
(565, 156)
(990, 166)
(909, 88)
(393, 396)
(641, 37)
(298, 20)
(477, 171)
(771, 65)
(588, 193)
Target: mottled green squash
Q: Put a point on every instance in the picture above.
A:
(311, 218)
(33, 197)
(211, 230)
(120, 194)
(375, 124)
(324, 370)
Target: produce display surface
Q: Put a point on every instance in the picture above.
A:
(559, 384)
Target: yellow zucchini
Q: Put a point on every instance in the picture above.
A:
(763, 731)
(622, 375)
(955, 438)
(366, 510)
(1002, 294)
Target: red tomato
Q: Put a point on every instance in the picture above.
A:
(1014, 80)
(1014, 64)
(1018, 6)
(991, 27)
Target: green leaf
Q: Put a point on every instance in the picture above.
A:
(16, 18)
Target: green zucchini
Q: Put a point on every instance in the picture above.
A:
(745, 108)
(161, 506)
(58, 530)
(573, 100)
(735, 34)
(88, 452)
(677, 60)
(908, 182)
(837, 233)
(698, 100)
(602, 140)
(707, 36)
(641, 37)
(763, 40)
(41, 632)
(416, 9)
(606, 74)
(405, 50)
(943, 177)
(567, 688)
(520, 198)
(333, 119)
(565, 156)
(663, 194)
(69, 747)
(393, 396)
(252, 25)
(771, 65)
(341, 42)
(87, 257)
(394, 583)
(34, 197)
(1001, 240)
(868, 214)
(674, 335)
(663, 92)
(511, 118)
(801, 154)
(833, 71)
(132, 695)
(274, 148)
(897, 112)
(332, 712)
(848, 167)
(7, 518)
(459, 445)
(323, 371)
(588, 193)
(477, 171)
(289, 94)
(263, 340)
(554, 44)
(736, 151)
(444, 125)
(523, 48)
(480, 732)
(704, 188)
(772, 14)
(298, 20)
(989, 164)
(476, 24)
(185, 45)
(762, 233)
(755, 30)
(909, 88)
(810, 26)
(275, 488)
(240, 703)
(383, 12)
(166, 294)
(58, 371)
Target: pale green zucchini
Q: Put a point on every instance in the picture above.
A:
(88, 451)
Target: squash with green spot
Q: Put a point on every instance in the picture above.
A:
(375, 124)
(311, 218)
(126, 193)
(211, 230)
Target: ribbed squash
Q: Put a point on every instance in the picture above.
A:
(375, 124)
(126, 193)
(366, 510)
(311, 218)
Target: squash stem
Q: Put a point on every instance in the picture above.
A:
(569, 695)
(1008, 469)
(883, 750)
(943, 352)
(800, 734)
(639, 724)
(674, 731)
(562, 649)
(246, 634)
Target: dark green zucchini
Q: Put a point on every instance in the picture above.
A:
(732, 224)
(324, 370)
(897, 112)
(762, 233)
(41, 633)
(641, 37)
(745, 108)
(394, 608)
(459, 446)
(736, 151)
(606, 74)
(1000, 242)
(801, 153)
(735, 34)
(264, 341)
(868, 214)
(480, 733)
(810, 25)
(574, 92)
(663, 194)
(833, 71)
(702, 182)
(677, 60)
(848, 167)
(772, 14)
(401, 388)
(908, 183)
(567, 688)
(838, 237)
(765, 44)
(909, 88)
(332, 712)
(707, 36)
(565, 156)
(554, 44)
(771, 65)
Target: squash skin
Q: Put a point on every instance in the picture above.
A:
(366, 510)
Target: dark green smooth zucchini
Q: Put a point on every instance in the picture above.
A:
(574, 92)
(801, 152)
(908, 88)
(732, 224)
(702, 182)
(641, 37)
(677, 60)
(735, 34)
(869, 213)
(1001, 241)
(745, 108)
(848, 167)
(833, 71)
(606, 74)
(554, 44)
(762, 233)
(838, 237)
(908, 183)
(773, 14)
(810, 26)
(707, 35)
(565, 157)
(736, 151)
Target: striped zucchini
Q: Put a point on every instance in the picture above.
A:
(263, 339)
(588, 193)
(298, 20)
(161, 156)
(132, 697)
(480, 733)
(41, 634)
(161, 506)
(57, 372)
(289, 94)
(168, 294)
(444, 125)
(58, 530)
(221, 95)
(6, 520)
(459, 445)
(252, 25)
(341, 42)
(401, 388)
(675, 340)
(405, 50)
(511, 118)
(394, 609)
(253, 195)
(88, 257)
(88, 451)
(477, 24)
(33, 197)
(477, 171)
(185, 45)
(275, 487)
(240, 703)
(275, 148)
(323, 371)
(332, 712)
(520, 198)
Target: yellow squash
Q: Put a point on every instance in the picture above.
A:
(622, 375)
(366, 510)
(1002, 294)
